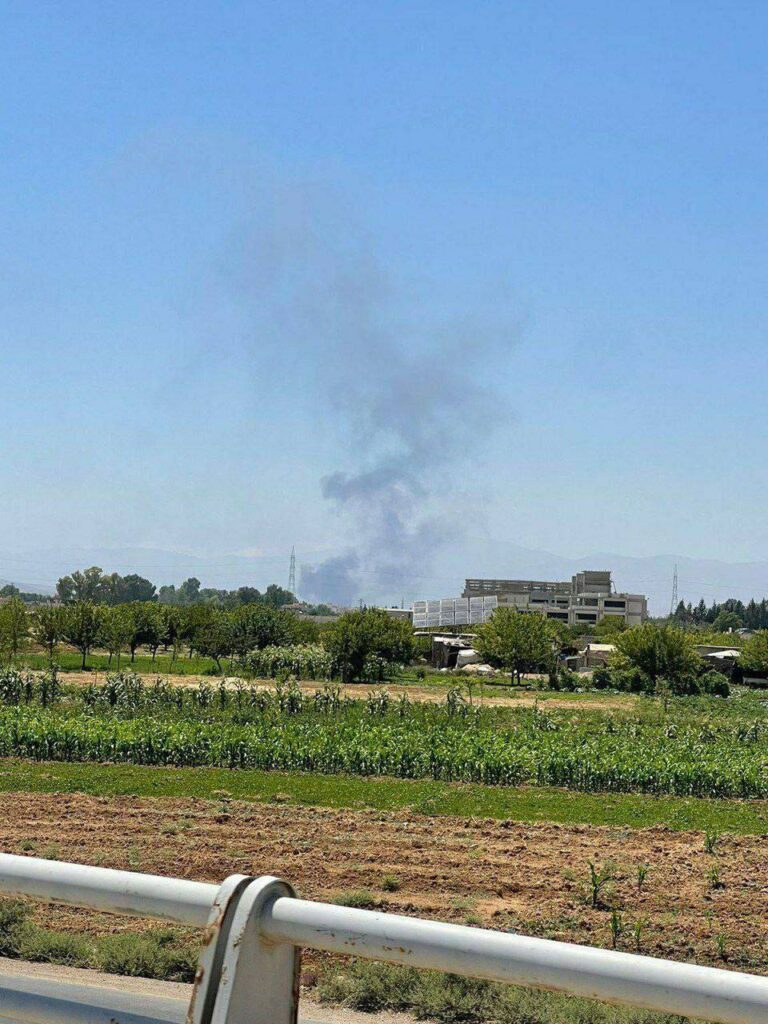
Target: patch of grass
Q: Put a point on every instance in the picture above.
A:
(446, 998)
(524, 803)
(390, 883)
(155, 954)
(357, 899)
(71, 661)
(45, 945)
(161, 953)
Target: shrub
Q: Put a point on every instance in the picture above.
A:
(13, 915)
(715, 683)
(449, 999)
(52, 947)
(306, 661)
(357, 899)
(155, 954)
(602, 678)
(631, 680)
(567, 680)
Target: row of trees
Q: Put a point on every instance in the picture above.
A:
(363, 644)
(521, 643)
(122, 629)
(730, 614)
(112, 589)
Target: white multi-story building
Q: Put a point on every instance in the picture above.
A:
(587, 599)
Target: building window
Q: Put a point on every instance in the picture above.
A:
(587, 616)
(614, 604)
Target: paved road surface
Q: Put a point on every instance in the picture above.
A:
(88, 997)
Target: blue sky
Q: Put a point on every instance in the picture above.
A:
(584, 182)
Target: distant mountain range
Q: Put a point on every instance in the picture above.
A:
(711, 579)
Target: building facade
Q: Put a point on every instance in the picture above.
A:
(588, 598)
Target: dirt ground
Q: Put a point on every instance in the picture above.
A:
(488, 695)
(531, 878)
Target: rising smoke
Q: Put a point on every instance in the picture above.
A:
(411, 396)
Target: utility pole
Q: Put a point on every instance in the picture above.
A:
(292, 573)
(673, 605)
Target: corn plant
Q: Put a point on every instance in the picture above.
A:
(617, 928)
(637, 931)
(713, 876)
(710, 842)
(599, 878)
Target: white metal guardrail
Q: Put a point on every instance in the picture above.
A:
(254, 929)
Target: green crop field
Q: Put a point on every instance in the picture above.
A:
(520, 803)
(703, 747)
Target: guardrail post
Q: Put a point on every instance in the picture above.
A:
(259, 979)
(210, 962)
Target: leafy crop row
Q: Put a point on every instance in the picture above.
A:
(125, 721)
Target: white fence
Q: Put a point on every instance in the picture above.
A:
(254, 929)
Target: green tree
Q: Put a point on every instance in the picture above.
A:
(82, 626)
(256, 625)
(116, 632)
(189, 591)
(136, 588)
(367, 644)
(88, 585)
(213, 638)
(154, 627)
(516, 641)
(727, 621)
(278, 596)
(14, 626)
(660, 652)
(48, 628)
(172, 628)
(754, 653)
(145, 626)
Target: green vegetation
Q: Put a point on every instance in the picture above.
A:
(97, 587)
(164, 953)
(754, 654)
(682, 749)
(659, 652)
(304, 661)
(516, 642)
(142, 664)
(523, 803)
(429, 995)
(719, 616)
(363, 645)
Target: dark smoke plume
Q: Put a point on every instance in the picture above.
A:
(412, 397)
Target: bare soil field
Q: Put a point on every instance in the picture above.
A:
(531, 878)
(489, 696)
